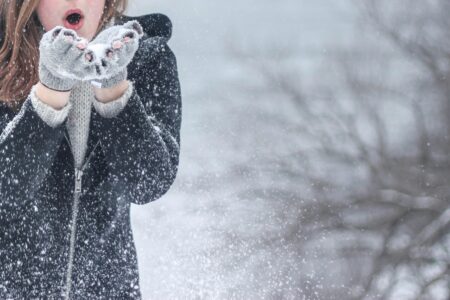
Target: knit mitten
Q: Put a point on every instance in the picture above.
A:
(111, 51)
(62, 61)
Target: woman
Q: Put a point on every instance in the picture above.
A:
(90, 115)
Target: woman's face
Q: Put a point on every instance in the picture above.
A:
(83, 16)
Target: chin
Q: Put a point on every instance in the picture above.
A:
(84, 35)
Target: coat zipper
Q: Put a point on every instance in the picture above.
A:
(73, 223)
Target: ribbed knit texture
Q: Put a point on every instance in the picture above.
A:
(53, 117)
(113, 108)
(78, 113)
(78, 120)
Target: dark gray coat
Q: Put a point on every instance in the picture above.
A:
(132, 158)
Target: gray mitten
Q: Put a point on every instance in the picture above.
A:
(62, 59)
(111, 51)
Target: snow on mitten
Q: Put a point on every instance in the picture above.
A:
(61, 59)
(112, 50)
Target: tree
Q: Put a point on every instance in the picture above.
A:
(367, 162)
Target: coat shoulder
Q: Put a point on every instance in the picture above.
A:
(154, 25)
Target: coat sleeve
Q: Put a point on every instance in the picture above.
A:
(142, 142)
(28, 146)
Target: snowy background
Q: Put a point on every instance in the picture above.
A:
(309, 157)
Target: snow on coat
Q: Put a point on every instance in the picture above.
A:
(132, 158)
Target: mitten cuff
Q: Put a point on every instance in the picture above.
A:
(53, 82)
(113, 108)
(53, 117)
(121, 76)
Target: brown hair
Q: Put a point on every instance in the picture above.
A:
(20, 34)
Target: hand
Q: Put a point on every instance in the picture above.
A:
(111, 51)
(62, 59)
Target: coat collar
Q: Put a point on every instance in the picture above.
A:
(154, 25)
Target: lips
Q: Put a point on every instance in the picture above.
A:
(73, 19)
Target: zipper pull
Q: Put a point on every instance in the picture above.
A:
(78, 174)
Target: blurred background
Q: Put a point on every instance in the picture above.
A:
(314, 152)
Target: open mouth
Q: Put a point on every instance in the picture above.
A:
(73, 19)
